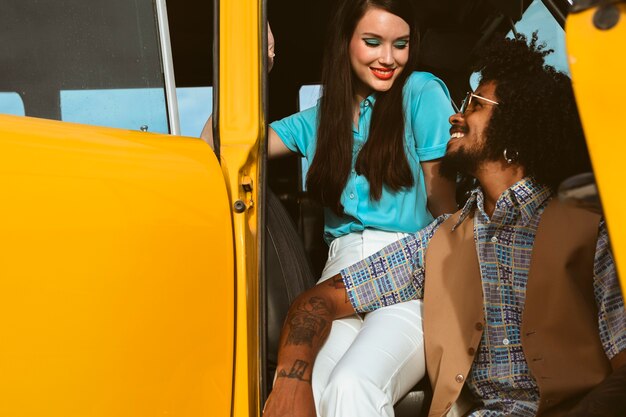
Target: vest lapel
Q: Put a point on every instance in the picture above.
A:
(453, 310)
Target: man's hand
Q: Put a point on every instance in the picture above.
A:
(305, 330)
(292, 395)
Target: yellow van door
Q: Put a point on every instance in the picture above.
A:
(596, 32)
(116, 266)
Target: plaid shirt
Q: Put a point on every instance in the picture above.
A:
(500, 376)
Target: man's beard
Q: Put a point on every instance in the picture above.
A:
(461, 162)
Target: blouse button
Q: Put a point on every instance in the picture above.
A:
(352, 196)
(505, 342)
(494, 239)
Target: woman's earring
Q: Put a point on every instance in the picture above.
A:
(510, 159)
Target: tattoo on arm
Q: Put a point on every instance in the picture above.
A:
(297, 371)
(307, 322)
(337, 283)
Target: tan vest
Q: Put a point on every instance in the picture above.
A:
(560, 336)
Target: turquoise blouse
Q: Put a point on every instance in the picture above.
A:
(427, 109)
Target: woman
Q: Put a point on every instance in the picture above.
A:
(372, 143)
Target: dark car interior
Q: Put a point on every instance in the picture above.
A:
(451, 31)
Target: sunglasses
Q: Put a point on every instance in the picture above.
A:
(467, 102)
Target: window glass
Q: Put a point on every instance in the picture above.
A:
(134, 108)
(195, 105)
(307, 98)
(88, 61)
(538, 18)
(11, 103)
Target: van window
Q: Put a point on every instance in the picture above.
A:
(11, 103)
(132, 108)
(307, 98)
(538, 18)
(195, 105)
(87, 61)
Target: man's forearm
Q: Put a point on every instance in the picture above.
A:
(305, 330)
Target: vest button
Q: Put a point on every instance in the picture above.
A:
(479, 326)
(471, 351)
(459, 378)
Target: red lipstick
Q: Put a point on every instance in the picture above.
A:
(382, 73)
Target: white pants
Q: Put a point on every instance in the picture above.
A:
(367, 364)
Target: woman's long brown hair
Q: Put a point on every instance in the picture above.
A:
(382, 160)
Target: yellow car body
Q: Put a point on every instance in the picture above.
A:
(130, 282)
(597, 63)
(115, 252)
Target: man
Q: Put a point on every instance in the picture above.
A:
(522, 306)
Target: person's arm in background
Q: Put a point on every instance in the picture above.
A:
(276, 147)
(207, 132)
(440, 191)
(609, 397)
(294, 134)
